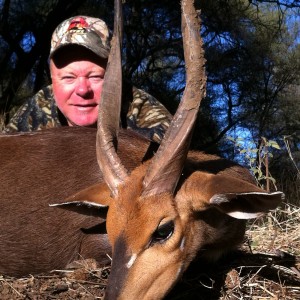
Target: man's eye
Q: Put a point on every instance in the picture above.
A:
(162, 233)
(96, 78)
(68, 78)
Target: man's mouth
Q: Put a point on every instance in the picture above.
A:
(85, 107)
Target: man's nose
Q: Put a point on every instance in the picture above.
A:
(83, 87)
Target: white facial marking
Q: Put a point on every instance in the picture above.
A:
(182, 244)
(179, 272)
(131, 261)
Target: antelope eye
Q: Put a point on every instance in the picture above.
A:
(163, 232)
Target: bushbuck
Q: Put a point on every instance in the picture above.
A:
(179, 203)
(159, 213)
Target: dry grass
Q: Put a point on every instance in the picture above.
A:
(272, 271)
(266, 268)
(2, 126)
(81, 280)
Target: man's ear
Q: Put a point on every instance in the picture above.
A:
(233, 196)
(92, 201)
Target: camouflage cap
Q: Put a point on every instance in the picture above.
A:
(88, 32)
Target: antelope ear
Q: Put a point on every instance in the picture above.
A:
(246, 205)
(92, 201)
(233, 196)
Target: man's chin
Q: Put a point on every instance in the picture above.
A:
(82, 123)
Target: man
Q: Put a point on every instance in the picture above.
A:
(78, 57)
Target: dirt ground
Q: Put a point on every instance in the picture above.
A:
(266, 267)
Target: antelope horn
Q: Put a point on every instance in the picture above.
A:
(114, 173)
(164, 171)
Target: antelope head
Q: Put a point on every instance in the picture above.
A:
(175, 205)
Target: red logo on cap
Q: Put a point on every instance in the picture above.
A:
(78, 23)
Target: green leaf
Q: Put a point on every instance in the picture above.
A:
(274, 144)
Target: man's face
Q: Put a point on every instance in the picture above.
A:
(77, 79)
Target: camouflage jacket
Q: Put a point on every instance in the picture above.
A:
(140, 112)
